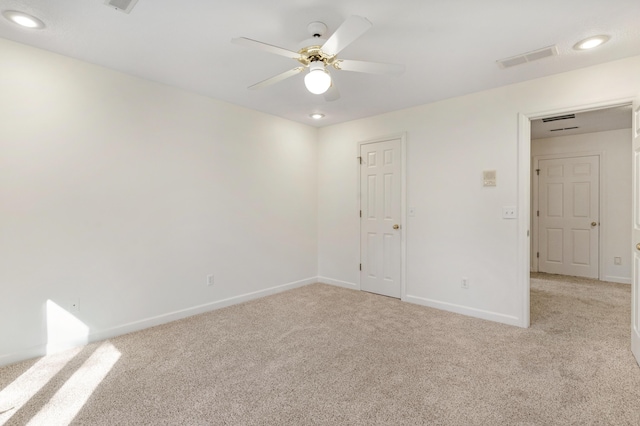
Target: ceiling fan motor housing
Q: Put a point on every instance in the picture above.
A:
(314, 53)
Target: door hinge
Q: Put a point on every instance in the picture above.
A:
(360, 213)
(361, 266)
(538, 255)
(538, 213)
(538, 172)
(360, 160)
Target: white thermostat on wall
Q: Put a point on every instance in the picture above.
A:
(489, 178)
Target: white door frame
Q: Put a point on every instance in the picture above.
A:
(403, 205)
(635, 279)
(601, 207)
(524, 191)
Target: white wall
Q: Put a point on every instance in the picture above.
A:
(615, 221)
(457, 229)
(125, 194)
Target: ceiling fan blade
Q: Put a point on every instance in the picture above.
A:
(369, 67)
(277, 78)
(349, 31)
(332, 94)
(243, 41)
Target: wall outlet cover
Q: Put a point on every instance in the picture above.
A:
(509, 212)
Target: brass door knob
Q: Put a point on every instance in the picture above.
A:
(594, 223)
(638, 246)
(396, 226)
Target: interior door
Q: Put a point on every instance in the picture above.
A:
(380, 213)
(569, 211)
(635, 289)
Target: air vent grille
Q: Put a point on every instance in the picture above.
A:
(121, 5)
(558, 117)
(534, 55)
(564, 128)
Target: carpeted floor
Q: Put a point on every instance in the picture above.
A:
(323, 355)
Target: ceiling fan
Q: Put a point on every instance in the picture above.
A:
(318, 54)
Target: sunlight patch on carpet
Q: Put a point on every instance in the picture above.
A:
(21, 390)
(67, 402)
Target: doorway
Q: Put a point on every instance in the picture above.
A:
(525, 261)
(526, 152)
(581, 194)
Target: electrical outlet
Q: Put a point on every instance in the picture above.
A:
(464, 283)
(210, 280)
(509, 212)
(617, 261)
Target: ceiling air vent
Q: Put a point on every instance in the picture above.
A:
(121, 5)
(565, 128)
(534, 55)
(559, 117)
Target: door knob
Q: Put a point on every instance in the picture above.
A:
(594, 223)
(638, 246)
(396, 226)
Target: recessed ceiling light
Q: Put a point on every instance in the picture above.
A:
(316, 116)
(23, 19)
(591, 42)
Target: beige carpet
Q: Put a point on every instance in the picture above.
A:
(322, 355)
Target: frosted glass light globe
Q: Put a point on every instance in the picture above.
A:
(318, 80)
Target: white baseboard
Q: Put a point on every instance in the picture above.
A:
(459, 309)
(94, 336)
(33, 352)
(325, 280)
(184, 313)
(465, 310)
(614, 279)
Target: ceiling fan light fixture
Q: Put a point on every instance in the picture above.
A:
(318, 80)
(23, 19)
(591, 42)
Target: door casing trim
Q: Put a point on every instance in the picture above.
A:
(524, 192)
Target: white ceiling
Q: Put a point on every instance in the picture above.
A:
(449, 47)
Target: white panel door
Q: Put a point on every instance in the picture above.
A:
(635, 289)
(380, 209)
(569, 211)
